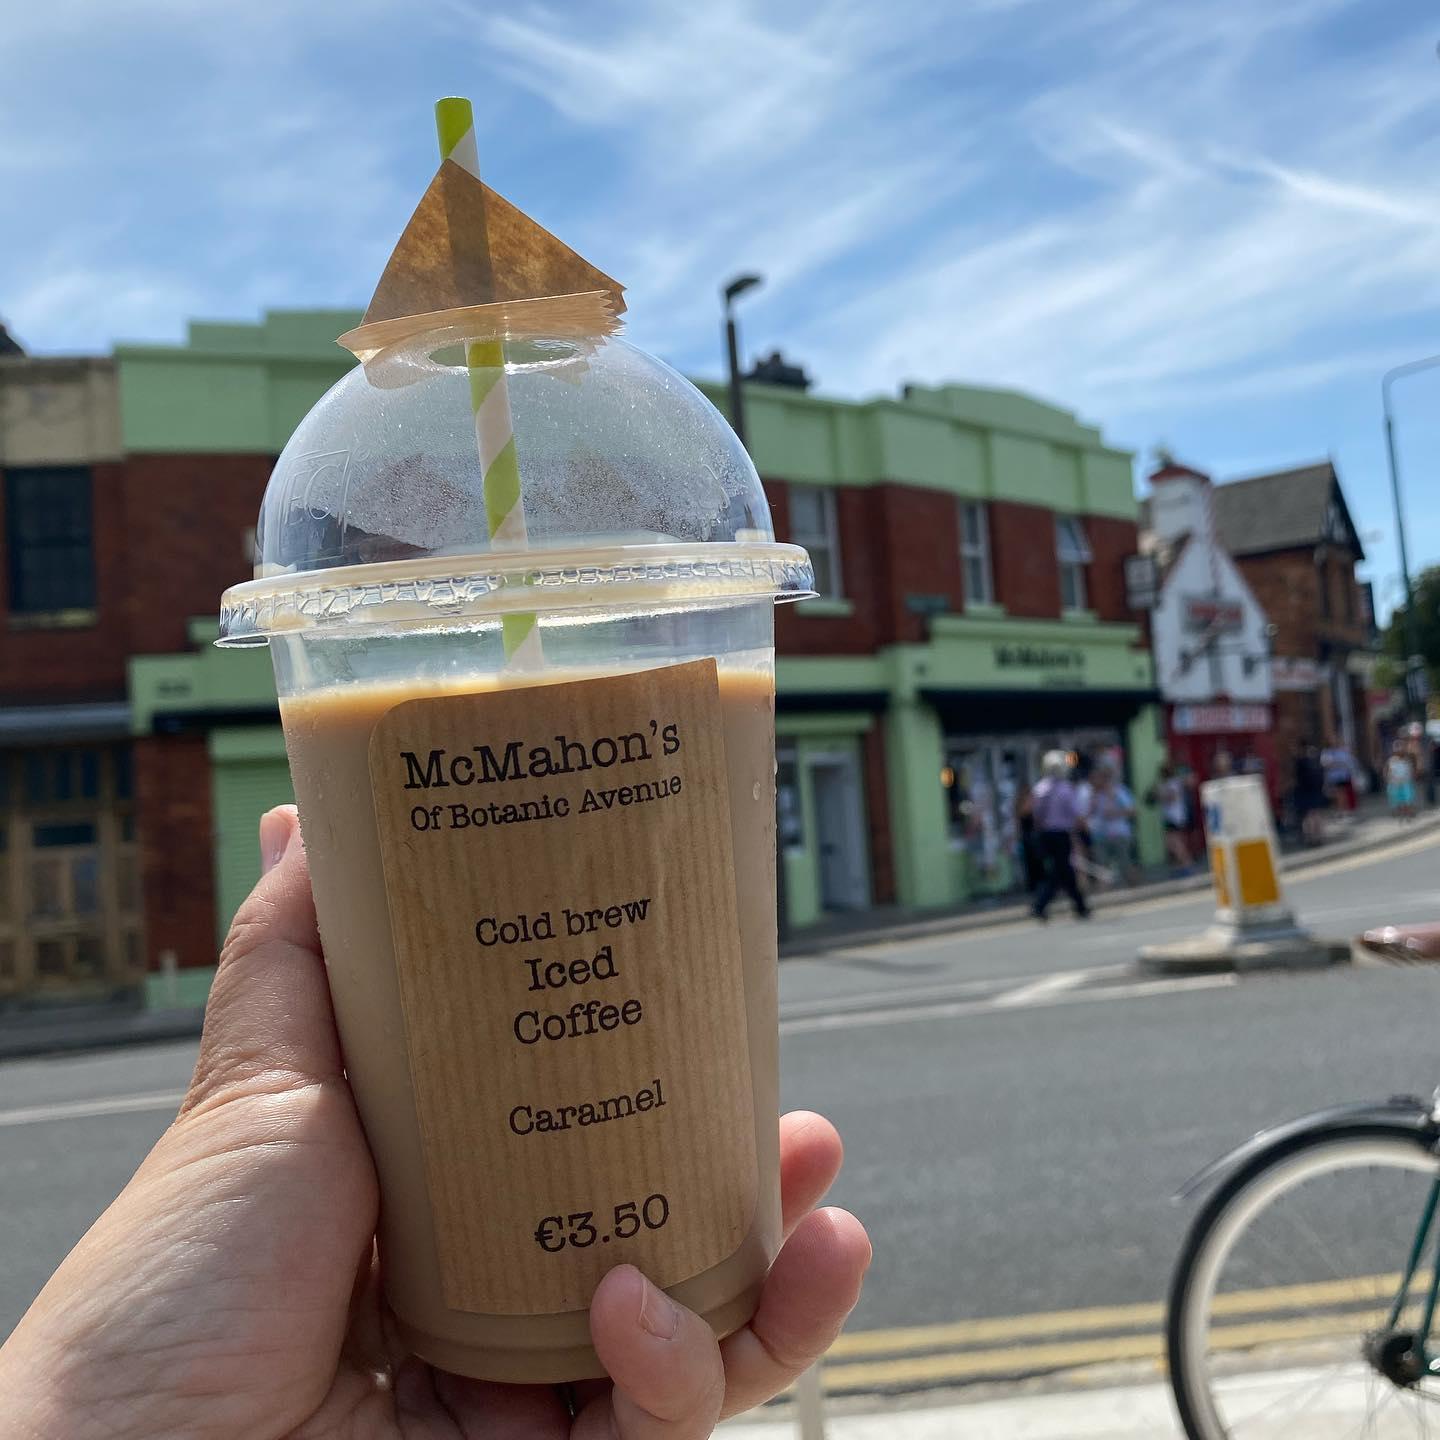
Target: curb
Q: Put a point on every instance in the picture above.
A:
(55, 1034)
(962, 921)
(1306, 859)
(1204, 955)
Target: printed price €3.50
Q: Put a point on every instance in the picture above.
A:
(555, 1232)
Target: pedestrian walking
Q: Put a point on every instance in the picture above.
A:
(1339, 767)
(1082, 853)
(1168, 792)
(1055, 807)
(1400, 782)
(1112, 824)
(1310, 795)
(1032, 863)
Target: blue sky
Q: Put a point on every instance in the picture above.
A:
(1209, 225)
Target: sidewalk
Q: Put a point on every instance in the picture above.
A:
(1132, 1412)
(1335, 1410)
(1372, 829)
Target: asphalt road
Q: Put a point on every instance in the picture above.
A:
(1018, 1107)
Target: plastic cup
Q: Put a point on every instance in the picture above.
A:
(539, 889)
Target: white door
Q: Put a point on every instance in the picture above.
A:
(840, 826)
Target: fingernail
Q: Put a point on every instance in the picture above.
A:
(277, 830)
(659, 1314)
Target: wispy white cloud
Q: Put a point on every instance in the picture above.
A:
(1212, 235)
(786, 142)
(1174, 217)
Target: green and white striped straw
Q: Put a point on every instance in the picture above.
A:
(490, 402)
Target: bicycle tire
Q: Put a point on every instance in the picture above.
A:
(1189, 1385)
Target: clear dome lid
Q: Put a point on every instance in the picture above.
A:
(635, 490)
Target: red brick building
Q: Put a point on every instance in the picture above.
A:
(1292, 536)
(968, 547)
(105, 837)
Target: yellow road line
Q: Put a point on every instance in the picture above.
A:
(908, 1339)
(915, 1338)
(975, 1364)
(1029, 1359)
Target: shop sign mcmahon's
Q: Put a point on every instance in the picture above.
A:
(1018, 655)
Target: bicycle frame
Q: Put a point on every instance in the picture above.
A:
(1430, 1362)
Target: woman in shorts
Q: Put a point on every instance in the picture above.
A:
(1400, 782)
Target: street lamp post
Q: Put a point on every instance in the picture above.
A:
(730, 293)
(1412, 657)
(737, 287)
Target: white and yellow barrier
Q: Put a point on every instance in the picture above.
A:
(1244, 856)
(1254, 928)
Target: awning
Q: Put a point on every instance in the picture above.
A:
(61, 724)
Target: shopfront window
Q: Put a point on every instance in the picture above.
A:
(813, 524)
(975, 553)
(986, 777)
(48, 541)
(1073, 552)
(69, 871)
(983, 780)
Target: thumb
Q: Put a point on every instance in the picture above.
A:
(268, 1023)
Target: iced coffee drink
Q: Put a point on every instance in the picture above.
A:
(545, 891)
(518, 581)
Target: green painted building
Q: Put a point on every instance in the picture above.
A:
(969, 548)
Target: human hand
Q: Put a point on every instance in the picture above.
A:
(231, 1290)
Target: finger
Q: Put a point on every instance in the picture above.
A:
(269, 1019)
(664, 1361)
(812, 1286)
(810, 1156)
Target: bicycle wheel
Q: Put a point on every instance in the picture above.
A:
(1279, 1316)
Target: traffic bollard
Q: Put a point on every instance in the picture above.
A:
(1254, 927)
(1243, 854)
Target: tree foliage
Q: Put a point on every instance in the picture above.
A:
(1427, 628)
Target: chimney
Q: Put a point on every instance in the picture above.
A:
(1167, 467)
(775, 369)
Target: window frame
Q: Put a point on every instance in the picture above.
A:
(827, 538)
(74, 554)
(1076, 562)
(789, 797)
(977, 552)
